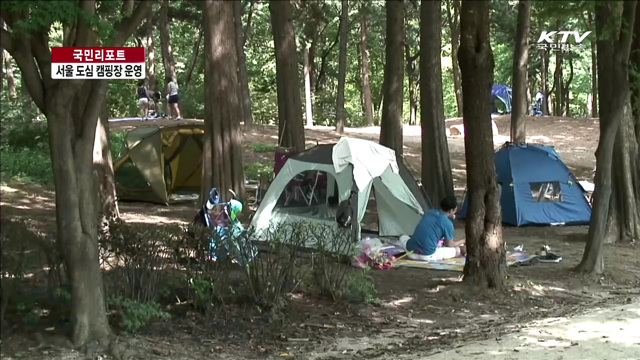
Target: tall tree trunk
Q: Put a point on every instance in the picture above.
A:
(486, 262)
(197, 37)
(28, 109)
(557, 85)
(623, 223)
(544, 78)
(72, 110)
(103, 166)
(594, 76)
(613, 91)
(411, 77)
(151, 54)
(365, 71)
(76, 207)
(77, 202)
(566, 90)
(310, 30)
(245, 95)
(520, 63)
(3, 26)
(635, 80)
(307, 88)
(393, 86)
(11, 80)
(223, 110)
(290, 128)
(165, 41)
(436, 165)
(454, 28)
(342, 67)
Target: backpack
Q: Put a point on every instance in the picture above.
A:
(142, 92)
(344, 213)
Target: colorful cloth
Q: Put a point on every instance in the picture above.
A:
(457, 264)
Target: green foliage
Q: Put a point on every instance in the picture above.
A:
(258, 170)
(26, 165)
(329, 270)
(135, 315)
(274, 274)
(118, 143)
(135, 255)
(361, 288)
(261, 148)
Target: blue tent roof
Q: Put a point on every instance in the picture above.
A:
(503, 93)
(537, 187)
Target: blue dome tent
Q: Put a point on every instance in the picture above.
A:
(536, 188)
(501, 98)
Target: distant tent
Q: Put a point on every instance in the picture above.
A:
(537, 188)
(501, 99)
(372, 168)
(160, 162)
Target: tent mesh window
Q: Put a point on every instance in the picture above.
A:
(546, 191)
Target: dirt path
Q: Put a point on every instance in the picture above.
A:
(602, 333)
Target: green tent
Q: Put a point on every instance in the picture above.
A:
(160, 162)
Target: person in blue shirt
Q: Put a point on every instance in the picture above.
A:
(436, 225)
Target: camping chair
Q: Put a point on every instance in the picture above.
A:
(305, 188)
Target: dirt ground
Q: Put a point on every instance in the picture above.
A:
(421, 312)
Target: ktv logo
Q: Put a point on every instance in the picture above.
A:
(548, 40)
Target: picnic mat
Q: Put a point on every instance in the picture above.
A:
(457, 264)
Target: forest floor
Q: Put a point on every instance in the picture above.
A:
(547, 309)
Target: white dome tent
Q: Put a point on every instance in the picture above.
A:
(351, 164)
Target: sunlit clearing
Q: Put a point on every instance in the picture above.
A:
(540, 137)
(400, 302)
(556, 289)
(591, 330)
(150, 219)
(423, 321)
(15, 206)
(297, 296)
(7, 188)
(450, 279)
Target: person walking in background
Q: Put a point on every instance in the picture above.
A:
(172, 99)
(143, 99)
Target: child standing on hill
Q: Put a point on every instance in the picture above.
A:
(143, 99)
(172, 98)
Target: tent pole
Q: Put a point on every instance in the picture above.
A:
(355, 223)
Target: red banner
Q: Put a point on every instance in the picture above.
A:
(98, 55)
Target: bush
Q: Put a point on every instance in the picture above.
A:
(118, 144)
(272, 275)
(258, 170)
(361, 288)
(331, 246)
(135, 315)
(207, 279)
(23, 249)
(29, 135)
(262, 148)
(29, 165)
(135, 256)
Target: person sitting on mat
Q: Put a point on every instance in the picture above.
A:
(436, 225)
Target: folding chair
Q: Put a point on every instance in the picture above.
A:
(306, 188)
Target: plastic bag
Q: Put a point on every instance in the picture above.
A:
(371, 247)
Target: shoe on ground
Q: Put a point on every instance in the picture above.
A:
(550, 258)
(179, 118)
